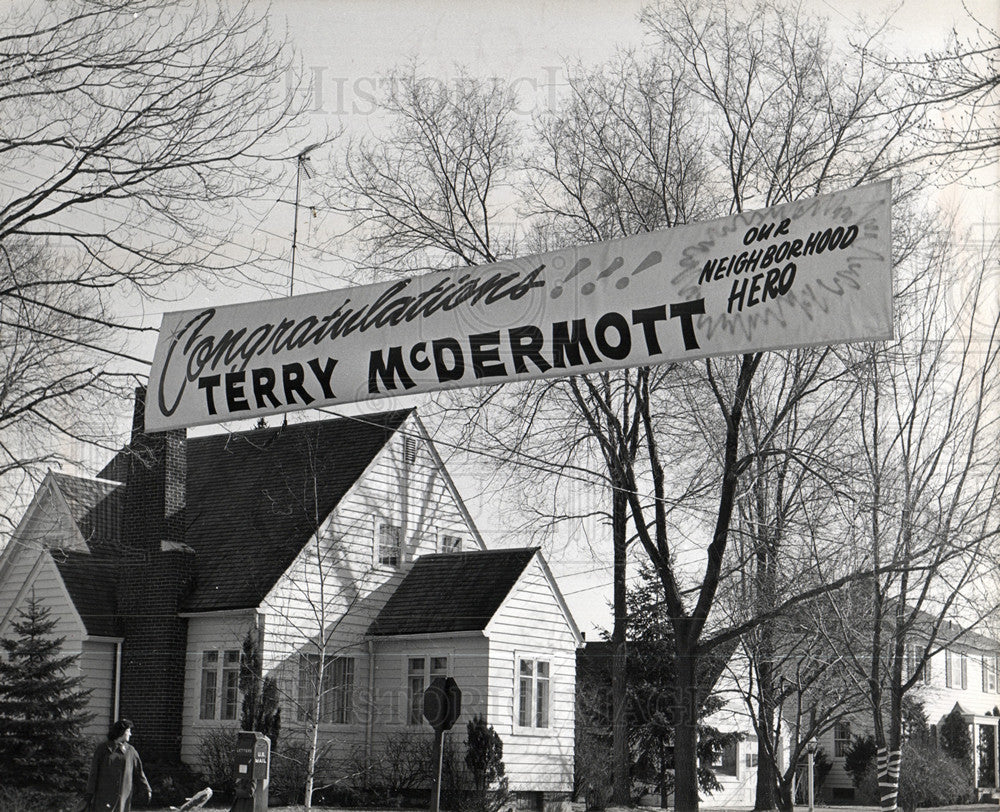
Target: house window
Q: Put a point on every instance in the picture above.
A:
(989, 675)
(914, 659)
(533, 693)
(337, 691)
(230, 684)
(841, 738)
(220, 684)
(723, 760)
(209, 683)
(419, 672)
(389, 547)
(949, 677)
(451, 544)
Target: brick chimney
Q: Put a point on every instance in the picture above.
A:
(157, 572)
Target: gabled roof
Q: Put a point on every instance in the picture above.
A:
(91, 582)
(90, 504)
(254, 499)
(83, 494)
(451, 592)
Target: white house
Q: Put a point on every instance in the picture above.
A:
(962, 670)
(345, 537)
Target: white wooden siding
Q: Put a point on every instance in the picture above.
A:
(417, 497)
(48, 590)
(46, 525)
(937, 699)
(531, 623)
(209, 632)
(468, 664)
(33, 573)
(97, 667)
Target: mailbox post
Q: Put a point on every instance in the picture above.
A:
(252, 772)
(442, 707)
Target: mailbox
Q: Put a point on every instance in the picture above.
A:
(252, 772)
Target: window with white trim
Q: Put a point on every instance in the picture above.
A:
(388, 544)
(533, 693)
(230, 684)
(220, 684)
(914, 659)
(841, 738)
(989, 674)
(209, 683)
(420, 670)
(336, 696)
(451, 543)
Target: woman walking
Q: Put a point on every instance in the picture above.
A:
(114, 767)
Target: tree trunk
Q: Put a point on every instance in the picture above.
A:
(888, 777)
(786, 803)
(621, 784)
(664, 788)
(890, 748)
(766, 796)
(765, 656)
(686, 730)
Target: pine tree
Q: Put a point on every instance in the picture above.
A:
(41, 743)
(261, 711)
(954, 737)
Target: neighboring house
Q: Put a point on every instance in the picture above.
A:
(962, 670)
(735, 767)
(348, 528)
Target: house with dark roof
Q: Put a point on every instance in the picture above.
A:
(340, 548)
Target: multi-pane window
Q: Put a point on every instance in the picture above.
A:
(914, 659)
(451, 544)
(533, 693)
(220, 684)
(336, 689)
(841, 738)
(419, 673)
(230, 684)
(209, 683)
(989, 674)
(389, 544)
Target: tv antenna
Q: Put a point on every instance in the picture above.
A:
(302, 167)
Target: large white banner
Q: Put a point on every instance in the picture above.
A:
(811, 272)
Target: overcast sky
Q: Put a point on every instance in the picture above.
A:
(346, 46)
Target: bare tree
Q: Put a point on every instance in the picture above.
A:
(754, 109)
(311, 626)
(50, 379)
(797, 488)
(134, 132)
(960, 81)
(929, 484)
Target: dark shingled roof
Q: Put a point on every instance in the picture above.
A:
(253, 499)
(91, 582)
(91, 504)
(451, 592)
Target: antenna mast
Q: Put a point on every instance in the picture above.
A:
(302, 166)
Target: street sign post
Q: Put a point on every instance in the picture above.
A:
(442, 707)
